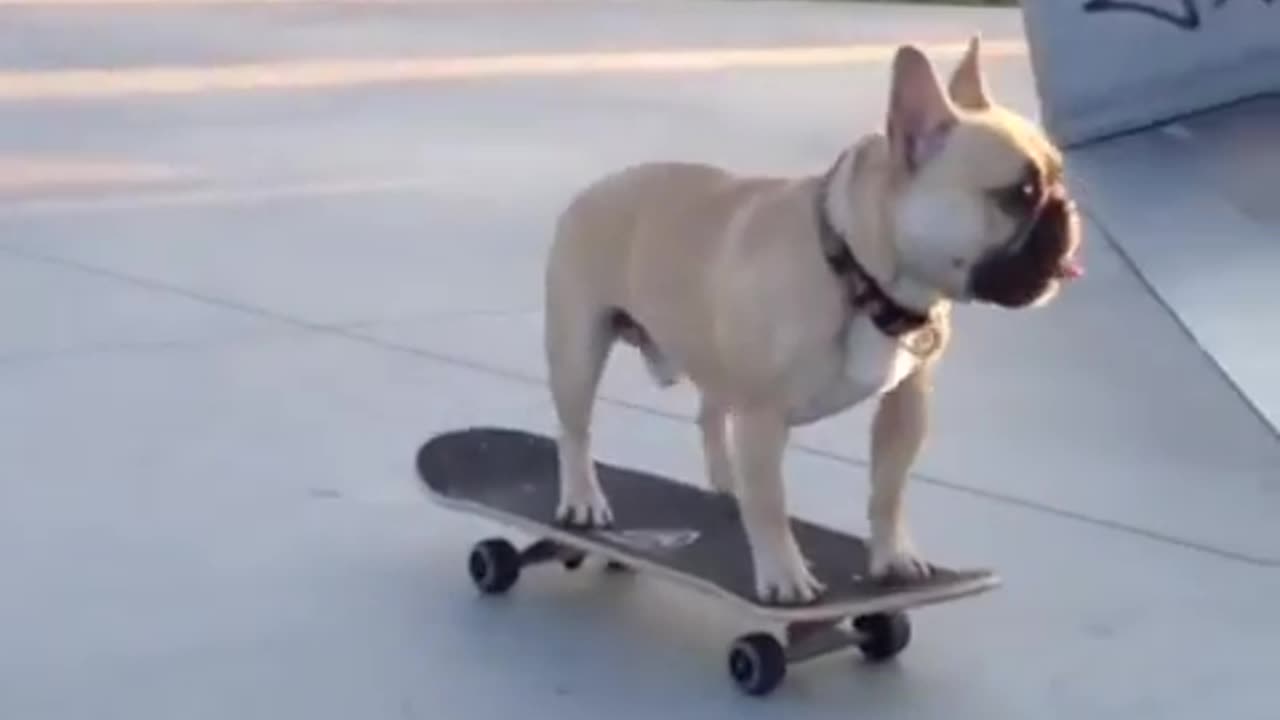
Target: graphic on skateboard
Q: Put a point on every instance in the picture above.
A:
(682, 533)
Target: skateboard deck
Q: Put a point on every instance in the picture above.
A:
(686, 534)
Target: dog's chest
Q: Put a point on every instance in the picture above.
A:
(864, 363)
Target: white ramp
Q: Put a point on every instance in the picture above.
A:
(1109, 66)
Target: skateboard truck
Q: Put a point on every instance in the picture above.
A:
(758, 661)
(495, 564)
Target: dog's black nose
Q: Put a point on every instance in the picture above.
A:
(1017, 273)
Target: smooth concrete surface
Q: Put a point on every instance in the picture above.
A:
(1193, 204)
(212, 390)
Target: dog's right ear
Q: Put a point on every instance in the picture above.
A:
(920, 115)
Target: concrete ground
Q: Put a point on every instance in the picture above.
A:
(1193, 203)
(231, 314)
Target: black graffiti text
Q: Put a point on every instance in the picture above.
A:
(1185, 16)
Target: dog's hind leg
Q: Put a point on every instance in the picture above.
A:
(578, 338)
(713, 421)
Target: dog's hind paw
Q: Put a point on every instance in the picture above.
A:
(591, 510)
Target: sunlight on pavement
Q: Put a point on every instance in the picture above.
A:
(311, 74)
(20, 175)
(155, 198)
(215, 3)
(37, 185)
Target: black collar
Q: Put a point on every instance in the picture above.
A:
(864, 292)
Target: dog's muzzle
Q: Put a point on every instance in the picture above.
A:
(1039, 254)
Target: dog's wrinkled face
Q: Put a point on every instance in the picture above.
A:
(979, 208)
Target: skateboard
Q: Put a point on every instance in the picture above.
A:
(684, 534)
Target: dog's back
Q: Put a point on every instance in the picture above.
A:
(669, 207)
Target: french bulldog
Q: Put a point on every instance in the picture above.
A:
(785, 300)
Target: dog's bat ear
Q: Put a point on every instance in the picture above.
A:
(920, 115)
(968, 87)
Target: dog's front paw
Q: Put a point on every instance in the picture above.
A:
(897, 561)
(783, 577)
(587, 508)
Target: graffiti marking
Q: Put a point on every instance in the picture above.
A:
(1185, 17)
(1188, 19)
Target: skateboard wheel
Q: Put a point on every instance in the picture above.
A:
(494, 566)
(757, 663)
(574, 561)
(885, 634)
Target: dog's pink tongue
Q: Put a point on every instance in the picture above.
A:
(1070, 269)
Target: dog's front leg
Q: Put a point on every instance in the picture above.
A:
(897, 432)
(781, 572)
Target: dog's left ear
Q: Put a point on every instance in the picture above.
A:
(920, 115)
(968, 87)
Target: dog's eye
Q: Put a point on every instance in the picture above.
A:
(1020, 196)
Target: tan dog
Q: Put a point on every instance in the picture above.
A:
(786, 300)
